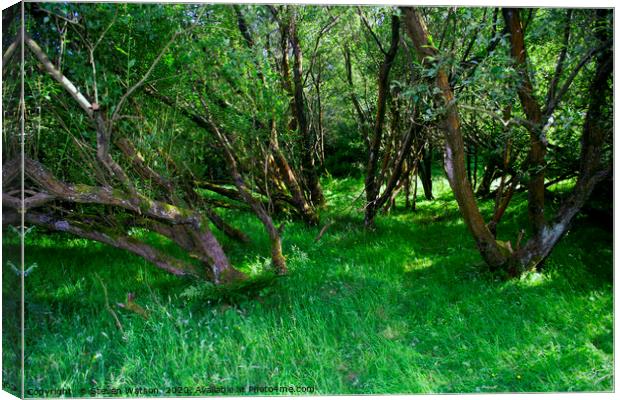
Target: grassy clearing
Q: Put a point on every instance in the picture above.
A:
(405, 309)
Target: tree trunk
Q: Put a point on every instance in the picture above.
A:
(425, 169)
(596, 129)
(308, 213)
(128, 198)
(454, 160)
(371, 184)
(536, 157)
(310, 174)
(277, 257)
(487, 178)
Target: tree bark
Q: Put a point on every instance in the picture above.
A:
(596, 129)
(454, 160)
(371, 183)
(425, 168)
(310, 174)
(533, 111)
(279, 263)
(149, 253)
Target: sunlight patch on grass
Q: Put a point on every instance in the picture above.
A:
(407, 308)
(69, 290)
(533, 279)
(418, 264)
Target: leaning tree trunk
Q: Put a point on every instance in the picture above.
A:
(277, 258)
(595, 133)
(536, 157)
(596, 130)
(454, 158)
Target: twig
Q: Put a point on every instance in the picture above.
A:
(152, 67)
(56, 74)
(372, 33)
(322, 232)
(109, 309)
(550, 108)
(506, 123)
(65, 19)
(91, 54)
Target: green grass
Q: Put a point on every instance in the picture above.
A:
(407, 308)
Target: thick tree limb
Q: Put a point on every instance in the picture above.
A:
(85, 194)
(55, 223)
(591, 170)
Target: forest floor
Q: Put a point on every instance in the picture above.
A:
(407, 308)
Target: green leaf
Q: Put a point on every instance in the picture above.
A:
(121, 50)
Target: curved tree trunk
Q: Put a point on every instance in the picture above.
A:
(591, 171)
(187, 227)
(454, 158)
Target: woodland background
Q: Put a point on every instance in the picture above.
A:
(358, 199)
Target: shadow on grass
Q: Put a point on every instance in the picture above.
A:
(405, 308)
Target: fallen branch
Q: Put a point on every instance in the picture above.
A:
(322, 232)
(109, 308)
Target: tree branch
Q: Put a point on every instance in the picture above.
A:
(132, 89)
(60, 78)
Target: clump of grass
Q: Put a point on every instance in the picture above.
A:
(403, 309)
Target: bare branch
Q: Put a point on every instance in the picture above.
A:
(333, 21)
(141, 82)
(372, 33)
(8, 54)
(91, 54)
(60, 78)
(550, 108)
(559, 68)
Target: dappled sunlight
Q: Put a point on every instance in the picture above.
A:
(418, 264)
(69, 291)
(228, 196)
(533, 279)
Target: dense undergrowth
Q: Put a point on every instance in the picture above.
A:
(408, 308)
